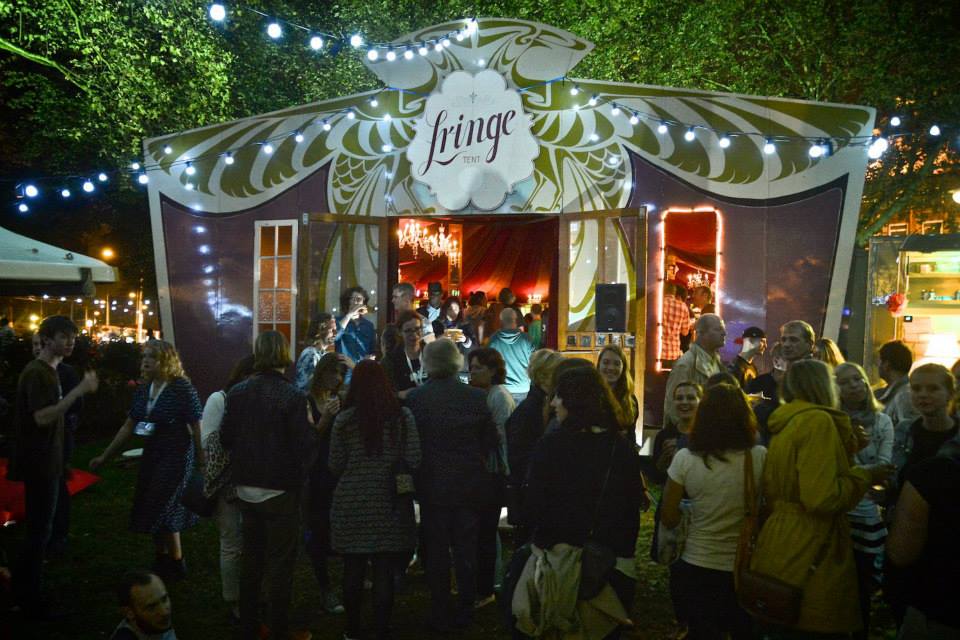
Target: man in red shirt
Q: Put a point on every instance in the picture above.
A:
(675, 322)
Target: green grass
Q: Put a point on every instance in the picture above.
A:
(101, 549)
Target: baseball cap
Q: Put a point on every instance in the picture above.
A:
(751, 332)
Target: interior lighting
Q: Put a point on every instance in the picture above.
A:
(190, 170)
(724, 142)
(408, 54)
(662, 128)
(298, 137)
(268, 148)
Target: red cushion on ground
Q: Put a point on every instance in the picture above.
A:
(11, 493)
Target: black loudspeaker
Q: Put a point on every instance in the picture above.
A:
(611, 308)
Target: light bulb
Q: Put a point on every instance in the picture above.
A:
(592, 101)
(135, 166)
(387, 117)
(356, 40)
(188, 186)
(387, 148)
(594, 137)
(316, 43)
(934, 130)
(815, 150)
(689, 135)
(102, 177)
(895, 121)
(423, 50)
(228, 159)
(190, 170)
(769, 147)
(274, 30)
(217, 12)
(460, 37)
(445, 42)
(408, 54)
(65, 193)
(374, 102)
(662, 128)
(391, 55)
(615, 111)
(143, 178)
(88, 186)
(481, 62)
(372, 55)
(298, 137)
(31, 191)
(268, 148)
(351, 114)
(574, 90)
(167, 149)
(438, 47)
(634, 119)
(877, 148)
(22, 207)
(956, 196)
(724, 142)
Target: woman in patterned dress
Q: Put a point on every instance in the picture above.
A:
(166, 410)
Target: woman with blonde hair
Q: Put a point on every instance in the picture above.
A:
(826, 350)
(615, 369)
(810, 483)
(166, 412)
(866, 523)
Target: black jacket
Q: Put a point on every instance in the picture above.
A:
(524, 428)
(564, 489)
(266, 432)
(457, 434)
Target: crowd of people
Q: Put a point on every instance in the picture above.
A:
(400, 451)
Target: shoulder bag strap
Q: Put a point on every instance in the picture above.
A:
(603, 490)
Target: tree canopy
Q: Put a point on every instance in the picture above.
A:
(82, 82)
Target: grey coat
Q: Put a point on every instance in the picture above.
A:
(364, 517)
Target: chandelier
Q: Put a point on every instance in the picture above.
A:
(433, 244)
(698, 279)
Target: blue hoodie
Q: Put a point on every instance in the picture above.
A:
(515, 347)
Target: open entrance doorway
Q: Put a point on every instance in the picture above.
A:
(468, 254)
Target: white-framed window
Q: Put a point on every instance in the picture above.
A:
(275, 279)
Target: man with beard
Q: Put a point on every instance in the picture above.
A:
(146, 608)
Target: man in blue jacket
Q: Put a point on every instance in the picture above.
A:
(515, 346)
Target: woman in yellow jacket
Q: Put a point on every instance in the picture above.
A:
(809, 484)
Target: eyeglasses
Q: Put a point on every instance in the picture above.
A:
(412, 331)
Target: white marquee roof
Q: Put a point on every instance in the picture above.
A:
(28, 260)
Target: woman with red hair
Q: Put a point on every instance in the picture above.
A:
(369, 521)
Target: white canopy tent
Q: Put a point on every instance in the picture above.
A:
(25, 261)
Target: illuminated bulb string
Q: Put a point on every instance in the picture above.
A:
(817, 146)
(321, 39)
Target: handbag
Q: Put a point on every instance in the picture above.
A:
(403, 485)
(597, 559)
(670, 542)
(194, 498)
(762, 596)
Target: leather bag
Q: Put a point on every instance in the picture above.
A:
(764, 597)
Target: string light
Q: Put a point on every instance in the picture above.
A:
(190, 170)
(102, 177)
(356, 41)
(724, 142)
(218, 12)
(268, 148)
(815, 150)
(143, 178)
(316, 43)
(634, 119)
(167, 149)
(574, 90)
(298, 138)
(88, 186)
(689, 135)
(592, 101)
(895, 121)
(22, 207)
(662, 128)
(615, 111)
(135, 166)
(935, 130)
(326, 125)
(228, 159)
(769, 147)
(31, 191)
(423, 50)
(408, 54)
(372, 55)
(274, 30)
(438, 47)
(65, 193)
(877, 148)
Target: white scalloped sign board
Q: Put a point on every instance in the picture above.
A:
(473, 143)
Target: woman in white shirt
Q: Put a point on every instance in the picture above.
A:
(227, 513)
(866, 523)
(711, 473)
